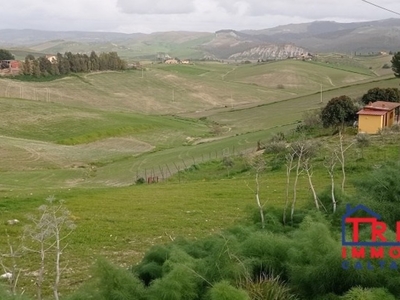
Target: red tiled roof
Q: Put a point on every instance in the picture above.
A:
(372, 112)
(382, 105)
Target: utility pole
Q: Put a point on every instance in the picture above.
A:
(321, 92)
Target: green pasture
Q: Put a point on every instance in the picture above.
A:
(96, 141)
(20, 54)
(122, 223)
(99, 164)
(69, 126)
(298, 76)
(184, 89)
(184, 69)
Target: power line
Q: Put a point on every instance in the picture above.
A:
(381, 7)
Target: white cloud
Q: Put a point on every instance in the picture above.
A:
(156, 6)
(311, 9)
(194, 15)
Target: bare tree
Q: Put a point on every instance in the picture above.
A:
(289, 168)
(309, 172)
(299, 151)
(330, 166)
(47, 233)
(11, 270)
(258, 164)
(362, 141)
(341, 157)
(303, 150)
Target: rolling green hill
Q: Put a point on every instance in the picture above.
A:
(89, 138)
(127, 124)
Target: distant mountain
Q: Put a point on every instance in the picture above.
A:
(14, 37)
(325, 36)
(273, 43)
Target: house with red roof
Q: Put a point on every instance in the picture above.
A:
(377, 115)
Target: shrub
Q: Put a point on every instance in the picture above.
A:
(178, 284)
(267, 288)
(382, 184)
(140, 180)
(277, 162)
(277, 137)
(359, 293)
(193, 168)
(276, 147)
(312, 119)
(150, 268)
(5, 295)
(224, 291)
(266, 253)
(395, 128)
(118, 284)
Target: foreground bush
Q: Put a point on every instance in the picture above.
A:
(249, 263)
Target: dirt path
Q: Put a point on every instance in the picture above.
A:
(227, 73)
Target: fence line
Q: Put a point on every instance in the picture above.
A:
(16, 90)
(162, 172)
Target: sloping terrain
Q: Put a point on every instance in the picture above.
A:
(106, 129)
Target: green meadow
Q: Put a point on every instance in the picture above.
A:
(87, 139)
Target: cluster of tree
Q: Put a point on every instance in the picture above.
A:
(6, 55)
(396, 64)
(72, 63)
(341, 111)
(381, 94)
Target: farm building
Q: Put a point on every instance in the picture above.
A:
(171, 62)
(10, 64)
(377, 115)
(52, 58)
(10, 67)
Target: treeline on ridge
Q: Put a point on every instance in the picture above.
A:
(71, 63)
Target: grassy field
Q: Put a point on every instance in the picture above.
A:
(88, 138)
(120, 223)
(108, 129)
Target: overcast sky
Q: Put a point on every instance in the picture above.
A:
(148, 16)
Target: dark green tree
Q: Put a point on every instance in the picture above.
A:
(45, 66)
(6, 55)
(28, 65)
(338, 112)
(36, 69)
(94, 61)
(103, 61)
(380, 94)
(63, 64)
(396, 64)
